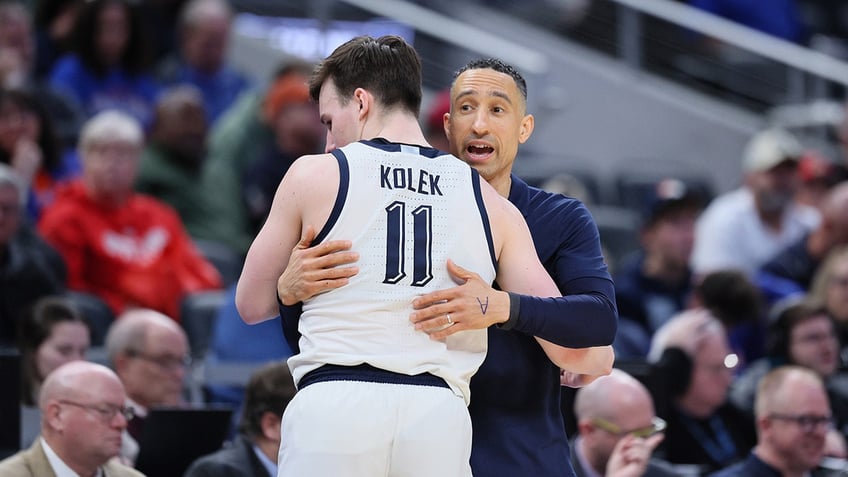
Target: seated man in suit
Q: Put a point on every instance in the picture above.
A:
(83, 418)
(254, 451)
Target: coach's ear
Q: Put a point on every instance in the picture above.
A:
(528, 122)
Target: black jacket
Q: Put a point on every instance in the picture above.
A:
(237, 460)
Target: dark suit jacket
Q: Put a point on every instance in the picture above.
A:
(33, 462)
(237, 460)
(656, 467)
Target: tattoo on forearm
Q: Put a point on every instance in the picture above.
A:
(484, 307)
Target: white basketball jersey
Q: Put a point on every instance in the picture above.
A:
(407, 210)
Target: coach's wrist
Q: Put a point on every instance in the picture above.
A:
(514, 309)
(286, 299)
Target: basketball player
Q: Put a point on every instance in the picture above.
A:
(376, 396)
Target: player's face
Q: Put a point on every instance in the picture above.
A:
(487, 121)
(341, 120)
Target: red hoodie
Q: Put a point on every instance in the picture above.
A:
(134, 255)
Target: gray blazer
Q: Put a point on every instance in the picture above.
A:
(33, 462)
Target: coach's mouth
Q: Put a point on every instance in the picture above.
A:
(478, 152)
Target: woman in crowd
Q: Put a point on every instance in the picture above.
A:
(53, 334)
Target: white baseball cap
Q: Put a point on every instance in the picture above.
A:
(769, 148)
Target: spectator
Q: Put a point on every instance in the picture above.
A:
(655, 284)
(792, 270)
(83, 416)
(297, 132)
(793, 418)
(237, 141)
(254, 452)
(704, 431)
(150, 355)
(54, 333)
(130, 250)
(618, 430)
(204, 34)
(29, 268)
(172, 162)
(109, 67)
(28, 145)
(803, 334)
(745, 228)
(830, 286)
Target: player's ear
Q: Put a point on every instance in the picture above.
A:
(364, 99)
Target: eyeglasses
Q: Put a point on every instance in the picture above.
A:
(806, 422)
(657, 425)
(164, 362)
(106, 413)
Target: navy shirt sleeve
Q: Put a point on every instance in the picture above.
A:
(568, 244)
(575, 321)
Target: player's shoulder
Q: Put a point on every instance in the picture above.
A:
(312, 165)
(498, 204)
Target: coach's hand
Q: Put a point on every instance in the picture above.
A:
(575, 380)
(312, 270)
(472, 305)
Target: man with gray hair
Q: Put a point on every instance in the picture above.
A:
(29, 268)
(149, 352)
(128, 249)
(83, 418)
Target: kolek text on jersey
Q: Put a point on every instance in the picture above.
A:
(406, 178)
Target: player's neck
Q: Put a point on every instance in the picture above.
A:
(395, 126)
